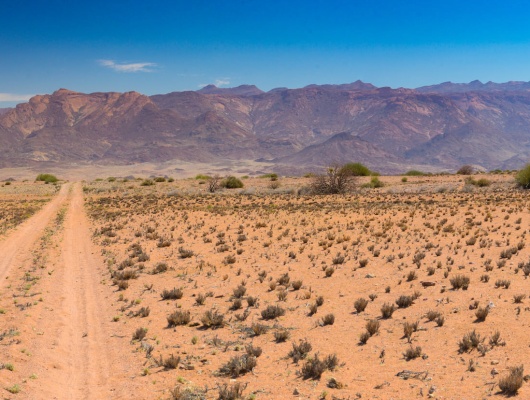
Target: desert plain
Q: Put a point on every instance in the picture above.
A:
(118, 289)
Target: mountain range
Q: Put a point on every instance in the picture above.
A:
(438, 127)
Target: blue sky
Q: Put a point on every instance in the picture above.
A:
(164, 46)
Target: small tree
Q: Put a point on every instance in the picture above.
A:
(336, 180)
(213, 183)
(465, 170)
(523, 177)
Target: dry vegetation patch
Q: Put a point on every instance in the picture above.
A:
(386, 280)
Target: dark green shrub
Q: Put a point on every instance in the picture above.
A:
(202, 177)
(357, 169)
(414, 172)
(231, 182)
(523, 177)
(374, 183)
(47, 178)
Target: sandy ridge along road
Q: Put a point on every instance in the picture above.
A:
(17, 245)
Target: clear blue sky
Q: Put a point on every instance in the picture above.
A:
(164, 46)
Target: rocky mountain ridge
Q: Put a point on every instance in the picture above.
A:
(434, 127)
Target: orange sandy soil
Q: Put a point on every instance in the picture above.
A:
(75, 280)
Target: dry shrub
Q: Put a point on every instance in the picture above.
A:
(511, 383)
(272, 312)
(300, 350)
(238, 365)
(178, 318)
(212, 319)
(360, 304)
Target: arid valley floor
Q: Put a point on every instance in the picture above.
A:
(114, 290)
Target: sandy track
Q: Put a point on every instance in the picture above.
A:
(16, 246)
(89, 354)
(82, 340)
(76, 350)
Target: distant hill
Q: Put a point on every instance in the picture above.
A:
(475, 86)
(243, 90)
(435, 127)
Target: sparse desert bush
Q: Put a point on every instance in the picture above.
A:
(253, 351)
(328, 319)
(281, 335)
(470, 341)
(212, 319)
(387, 310)
(360, 304)
(372, 326)
(336, 180)
(272, 312)
(185, 253)
(229, 392)
(300, 350)
(482, 313)
(412, 352)
(511, 383)
(404, 301)
(363, 338)
(170, 362)
(139, 334)
(313, 368)
(238, 365)
(460, 282)
(173, 294)
(178, 318)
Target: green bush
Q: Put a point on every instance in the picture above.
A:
(48, 178)
(147, 182)
(202, 177)
(482, 182)
(357, 169)
(523, 177)
(414, 172)
(374, 183)
(160, 179)
(272, 176)
(231, 182)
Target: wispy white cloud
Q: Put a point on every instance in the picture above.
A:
(222, 82)
(128, 67)
(219, 82)
(12, 97)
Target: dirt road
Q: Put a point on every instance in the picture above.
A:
(76, 350)
(16, 246)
